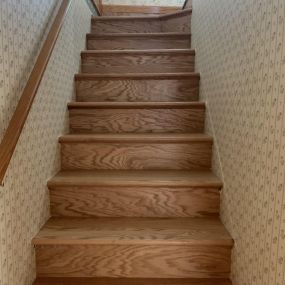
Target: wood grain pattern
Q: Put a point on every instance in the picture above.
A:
(136, 117)
(136, 248)
(130, 281)
(138, 61)
(139, 178)
(135, 152)
(138, 138)
(140, 87)
(28, 95)
(135, 156)
(134, 231)
(133, 261)
(142, 24)
(138, 41)
(125, 25)
(136, 201)
(98, 201)
(85, 193)
(128, 10)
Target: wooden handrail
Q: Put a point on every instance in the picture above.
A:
(98, 6)
(185, 4)
(20, 115)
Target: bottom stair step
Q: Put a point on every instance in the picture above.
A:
(133, 248)
(125, 281)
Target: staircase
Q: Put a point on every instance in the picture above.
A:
(136, 202)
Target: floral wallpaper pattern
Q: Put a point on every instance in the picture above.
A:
(240, 53)
(145, 2)
(24, 204)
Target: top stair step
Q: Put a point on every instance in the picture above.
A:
(175, 22)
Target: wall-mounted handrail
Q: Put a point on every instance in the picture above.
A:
(185, 4)
(17, 122)
(98, 6)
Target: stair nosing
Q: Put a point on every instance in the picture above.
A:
(127, 181)
(159, 138)
(129, 281)
(138, 76)
(136, 35)
(136, 105)
(87, 53)
(123, 18)
(198, 242)
(143, 238)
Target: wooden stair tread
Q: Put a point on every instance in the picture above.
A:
(147, 231)
(139, 52)
(139, 137)
(147, 18)
(178, 75)
(123, 18)
(137, 35)
(176, 14)
(136, 105)
(175, 178)
(130, 281)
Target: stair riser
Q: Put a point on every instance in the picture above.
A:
(96, 201)
(106, 155)
(141, 90)
(138, 43)
(136, 120)
(137, 63)
(133, 261)
(126, 26)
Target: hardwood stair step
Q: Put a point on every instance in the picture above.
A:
(125, 24)
(138, 61)
(131, 247)
(135, 193)
(132, 178)
(130, 281)
(136, 151)
(143, 87)
(138, 117)
(117, 41)
(174, 22)
(96, 19)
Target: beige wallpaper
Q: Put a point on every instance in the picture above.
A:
(24, 204)
(145, 2)
(240, 48)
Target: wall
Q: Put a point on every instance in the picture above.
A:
(145, 2)
(24, 203)
(240, 48)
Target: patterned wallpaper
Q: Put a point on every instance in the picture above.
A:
(24, 205)
(240, 48)
(145, 2)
